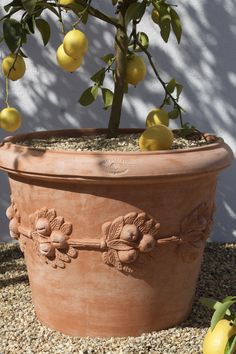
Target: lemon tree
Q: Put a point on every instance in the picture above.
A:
(221, 336)
(126, 64)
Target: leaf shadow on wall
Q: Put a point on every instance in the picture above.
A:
(204, 63)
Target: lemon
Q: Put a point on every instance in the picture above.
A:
(155, 16)
(157, 116)
(16, 72)
(10, 119)
(66, 62)
(215, 341)
(75, 44)
(135, 70)
(158, 137)
(66, 2)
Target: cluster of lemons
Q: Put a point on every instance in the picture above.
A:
(13, 67)
(69, 57)
(157, 136)
(70, 53)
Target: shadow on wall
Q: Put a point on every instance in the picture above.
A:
(204, 63)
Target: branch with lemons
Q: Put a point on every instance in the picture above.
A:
(221, 336)
(127, 66)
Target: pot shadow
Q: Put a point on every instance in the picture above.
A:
(12, 272)
(217, 280)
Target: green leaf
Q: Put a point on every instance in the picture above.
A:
(109, 58)
(89, 96)
(143, 39)
(99, 76)
(12, 32)
(230, 346)
(171, 86)
(209, 302)
(12, 3)
(52, 9)
(222, 309)
(179, 89)
(107, 96)
(229, 298)
(135, 11)
(165, 30)
(22, 54)
(174, 113)
(176, 25)
(84, 18)
(29, 5)
(31, 23)
(44, 30)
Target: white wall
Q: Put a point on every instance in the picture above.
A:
(205, 63)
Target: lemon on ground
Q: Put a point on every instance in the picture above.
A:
(158, 137)
(155, 16)
(215, 341)
(16, 72)
(66, 62)
(66, 2)
(157, 116)
(10, 119)
(135, 69)
(75, 44)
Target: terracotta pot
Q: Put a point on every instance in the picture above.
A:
(113, 242)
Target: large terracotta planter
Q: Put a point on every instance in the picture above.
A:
(113, 242)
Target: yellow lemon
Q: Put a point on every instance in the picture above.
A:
(75, 44)
(10, 119)
(155, 16)
(16, 72)
(66, 2)
(158, 137)
(157, 116)
(66, 62)
(135, 70)
(215, 341)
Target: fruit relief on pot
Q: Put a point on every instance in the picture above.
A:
(125, 65)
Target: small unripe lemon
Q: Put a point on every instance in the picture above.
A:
(66, 62)
(75, 44)
(155, 16)
(158, 137)
(135, 70)
(157, 116)
(215, 341)
(10, 119)
(66, 2)
(16, 72)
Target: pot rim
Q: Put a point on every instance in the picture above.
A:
(109, 166)
(14, 140)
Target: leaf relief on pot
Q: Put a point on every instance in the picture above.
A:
(51, 234)
(194, 230)
(126, 237)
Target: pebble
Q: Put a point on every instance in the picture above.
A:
(21, 332)
(124, 142)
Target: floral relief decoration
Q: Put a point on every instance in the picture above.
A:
(126, 237)
(51, 234)
(194, 230)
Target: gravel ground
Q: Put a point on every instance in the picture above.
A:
(21, 333)
(124, 142)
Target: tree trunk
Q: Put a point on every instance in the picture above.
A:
(121, 54)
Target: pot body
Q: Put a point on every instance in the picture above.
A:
(112, 249)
